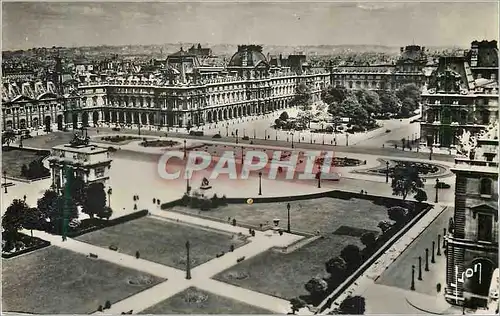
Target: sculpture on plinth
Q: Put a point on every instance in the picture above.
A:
(205, 184)
(467, 144)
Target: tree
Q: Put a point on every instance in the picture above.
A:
(297, 303)
(95, 200)
(398, 214)
(46, 203)
(421, 195)
(105, 213)
(353, 305)
(304, 118)
(77, 188)
(410, 91)
(302, 96)
(317, 288)
(352, 256)
(63, 211)
(408, 105)
(384, 226)
(13, 218)
(369, 239)
(369, 100)
(405, 180)
(32, 219)
(337, 268)
(389, 102)
(8, 137)
(284, 116)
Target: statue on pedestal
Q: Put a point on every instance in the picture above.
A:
(205, 184)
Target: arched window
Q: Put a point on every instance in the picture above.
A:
(485, 187)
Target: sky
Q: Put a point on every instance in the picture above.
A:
(45, 24)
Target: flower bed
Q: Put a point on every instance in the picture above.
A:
(22, 245)
(159, 143)
(118, 138)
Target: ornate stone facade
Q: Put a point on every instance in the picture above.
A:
(410, 68)
(472, 241)
(192, 95)
(460, 97)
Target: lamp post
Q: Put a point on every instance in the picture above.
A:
(184, 149)
(420, 268)
(260, 183)
(346, 139)
(439, 245)
(288, 208)
(188, 262)
(412, 278)
(437, 188)
(318, 175)
(430, 153)
(292, 138)
(433, 260)
(242, 154)
(110, 191)
(265, 134)
(323, 141)
(444, 237)
(5, 180)
(386, 172)
(254, 134)
(188, 188)
(426, 259)
(227, 130)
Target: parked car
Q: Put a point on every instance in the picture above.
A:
(442, 185)
(217, 136)
(245, 138)
(387, 130)
(116, 129)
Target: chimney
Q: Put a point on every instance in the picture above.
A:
(244, 58)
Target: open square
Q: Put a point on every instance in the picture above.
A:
(164, 242)
(58, 281)
(196, 301)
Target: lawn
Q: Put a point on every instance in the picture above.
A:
(58, 281)
(50, 140)
(196, 301)
(284, 275)
(341, 222)
(323, 214)
(163, 242)
(14, 158)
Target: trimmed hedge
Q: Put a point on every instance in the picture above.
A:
(108, 223)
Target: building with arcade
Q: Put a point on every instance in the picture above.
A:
(187, 93)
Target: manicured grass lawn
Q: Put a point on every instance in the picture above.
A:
(196, 301)
(50, 140)
(116, 139)
(163, 242)
(13, 159)
(58, 281)
(324, 214)
(284, 275)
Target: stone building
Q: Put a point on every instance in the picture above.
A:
(472, 240)
(411, 67)
(462, 95)
(88, 162)
(190, 94)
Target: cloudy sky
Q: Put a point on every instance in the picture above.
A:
(28, 25)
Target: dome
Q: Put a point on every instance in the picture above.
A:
(247, 56)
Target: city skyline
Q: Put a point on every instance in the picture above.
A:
(30, 24)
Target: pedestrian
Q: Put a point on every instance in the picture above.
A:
(137, 255)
